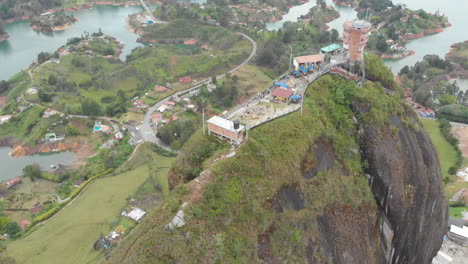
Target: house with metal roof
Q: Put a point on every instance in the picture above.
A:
(331, 48)
(309, 60)
(282, 94)
(226, 129)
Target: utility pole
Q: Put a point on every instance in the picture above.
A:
(203, 118)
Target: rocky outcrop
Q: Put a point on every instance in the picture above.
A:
(404, 175)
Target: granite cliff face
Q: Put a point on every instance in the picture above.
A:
(404, 175)
(355, 179)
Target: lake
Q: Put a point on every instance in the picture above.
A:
(455, 10)
(11, 167)
(25, 44)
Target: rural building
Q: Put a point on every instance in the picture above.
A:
(306, 61)
(190, 41)
(185, 79)
(160, 89)
(118, 135)
(31, 91)
(459, 234)
(162, 108)
(136, 214)
(156, 118)
(226, 129)
(331, 49)
(139, 103)
(282, 94)
(174, 118)
(24, 224)
(170, 105)
(36, 209)
(49, 112)
(355, 37)
(77, 183)
(13, 182)
(4, 119)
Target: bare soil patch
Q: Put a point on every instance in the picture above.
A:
(461, 132)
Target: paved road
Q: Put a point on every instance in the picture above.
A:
(148, 134)
(150, 13)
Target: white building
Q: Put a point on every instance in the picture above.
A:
(226, 129)
(459, 235)
(4, 119)
(136, 214)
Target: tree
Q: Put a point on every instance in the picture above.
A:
(2, 27)
(447, 99)
(71, 131)
(52, 80)
(42, 57)
(334, 35)
(12, 228)
(32, 171)
(89, 107)
(4, 86)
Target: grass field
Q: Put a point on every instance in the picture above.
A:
(447, 154)
(456, 211)
(69, 236)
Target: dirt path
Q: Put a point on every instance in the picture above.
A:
(173, 63)
(461, 132)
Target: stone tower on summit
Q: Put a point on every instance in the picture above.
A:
(355, 37)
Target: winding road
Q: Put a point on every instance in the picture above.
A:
(148, 134)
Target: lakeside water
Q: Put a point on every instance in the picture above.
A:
(12, 167)
(25, 44)
(457, 13)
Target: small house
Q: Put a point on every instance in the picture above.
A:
(50, 137)
(49, 112)
(36, 209)
(226, 129)
(138, 103)
(185, 79)
(4, 119)
(174, 118)
(170, 105)
(31, 90)
(156, 118)
(13, 182)
(160, 89)
(282, 94)
(136, 214)
(24, 224)
(162, 108)
(190, 41)
(77, 183)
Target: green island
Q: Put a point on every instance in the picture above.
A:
(350, 166)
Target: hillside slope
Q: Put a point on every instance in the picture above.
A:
(354, 179)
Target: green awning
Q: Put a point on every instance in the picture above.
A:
(331, 48)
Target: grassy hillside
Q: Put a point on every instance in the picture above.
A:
(110, 83)
(69, 236)
(256, 197)
(447, 154)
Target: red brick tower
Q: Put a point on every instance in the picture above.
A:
(355, 37)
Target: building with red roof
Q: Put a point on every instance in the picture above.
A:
(156, 118)
(160, 89)
(174, 117)
(185, 79)
(24, 224)
(13, 182)
(282, 94)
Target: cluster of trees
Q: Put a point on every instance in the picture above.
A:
(176, 133)
(4, 86)
(430, 90)
(14, 8)
(7, 226)
(33, 171)
(274, 52)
